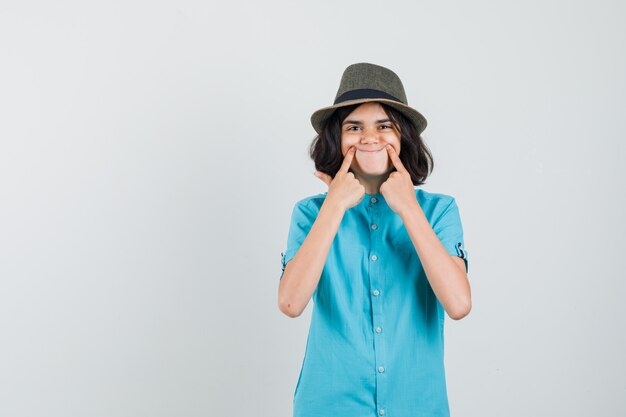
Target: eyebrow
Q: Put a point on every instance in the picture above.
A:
(358, 122)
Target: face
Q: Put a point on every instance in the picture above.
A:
(369, 129)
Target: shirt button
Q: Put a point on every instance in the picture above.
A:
(374, 257)
(381, 411)
(376, 292)
(381, 369)
(374, 226)
(379, 329)
(373, 199)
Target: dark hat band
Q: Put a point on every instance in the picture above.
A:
(364, 93)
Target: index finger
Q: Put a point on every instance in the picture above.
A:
(347, 160)
(395, 159)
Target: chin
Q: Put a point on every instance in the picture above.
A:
(374, 171)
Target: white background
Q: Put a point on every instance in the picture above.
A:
(151, 153)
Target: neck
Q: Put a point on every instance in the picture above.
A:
(371, 183)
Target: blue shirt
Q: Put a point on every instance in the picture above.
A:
(375, 345)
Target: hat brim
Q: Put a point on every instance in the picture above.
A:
(319, 117)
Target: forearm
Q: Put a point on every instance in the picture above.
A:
(448, 281)
(303, 272)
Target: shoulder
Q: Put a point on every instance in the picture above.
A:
(307, 208)
(434, 204)
(431, 198)
(312, 202)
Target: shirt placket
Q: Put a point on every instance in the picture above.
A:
(377, 293)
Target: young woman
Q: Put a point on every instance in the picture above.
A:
(383, 261)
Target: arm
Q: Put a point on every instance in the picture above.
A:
(446, 273)
(303, 272)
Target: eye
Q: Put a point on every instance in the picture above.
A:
(350, 127)
(387, 126)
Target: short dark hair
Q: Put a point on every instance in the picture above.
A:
(325, 149)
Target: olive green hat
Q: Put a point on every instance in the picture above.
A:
(365, 82)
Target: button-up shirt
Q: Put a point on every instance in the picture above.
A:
(375, 344)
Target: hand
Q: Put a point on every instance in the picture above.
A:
(398, 189)
(345, 189)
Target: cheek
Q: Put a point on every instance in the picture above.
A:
(396, 145)
(346, 144)
(394, 140)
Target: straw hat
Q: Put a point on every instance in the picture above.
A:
(365, 82)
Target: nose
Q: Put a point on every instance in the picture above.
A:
(369, 136)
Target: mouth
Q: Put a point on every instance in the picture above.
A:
(370, 151)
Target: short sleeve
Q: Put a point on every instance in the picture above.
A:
(450, 232)
(302, 218)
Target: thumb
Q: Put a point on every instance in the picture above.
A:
(324, 177)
